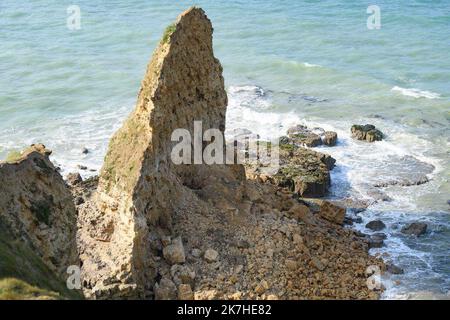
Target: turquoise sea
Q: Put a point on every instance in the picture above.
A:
(285, 62)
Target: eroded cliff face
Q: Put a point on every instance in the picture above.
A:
(139, 187)
(36, 208)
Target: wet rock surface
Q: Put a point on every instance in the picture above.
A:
(393, 269)
(366, 132)
(74, 179)
(301, 135)
(36, 206)
(376, 225)
(415, 229)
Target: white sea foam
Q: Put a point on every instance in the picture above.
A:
(416, 93)
(311, 65)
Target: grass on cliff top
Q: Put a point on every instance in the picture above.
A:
(23, 274)
(168, 32)
(15, 289)
(13, 156)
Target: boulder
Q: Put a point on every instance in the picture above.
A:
(291, 265)
(376, 240)
(74, 178)
(393, 269)
(366, 132)
(376, 225)
(379, 235)
(302, 136)
(182, 274)
(165, 290)
(185, 292)
(317, 263)
(329, 138)
(350, 220)
(174, 252)
(415, 229)
(211, 255)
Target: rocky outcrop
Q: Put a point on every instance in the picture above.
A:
(301, 170)
(366, 132)
(393, 269)
(332, 212)
(36, 207)
(150, 228)
(140, 188)
(330, 138)
(376, 225)
(303, 136)
(304, 171)
(153, 229)
(415, 229)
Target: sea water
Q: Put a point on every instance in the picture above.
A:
(285, 63)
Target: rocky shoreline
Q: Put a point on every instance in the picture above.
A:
(146, 228)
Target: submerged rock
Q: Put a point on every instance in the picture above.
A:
(393, 269)
(165, 290)
(376, 225)
(143, 199)
(403, 171)
(415, 229)
(366, 132)
(211, 255)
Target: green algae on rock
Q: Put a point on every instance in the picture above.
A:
(366, 132)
